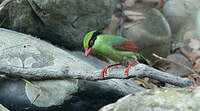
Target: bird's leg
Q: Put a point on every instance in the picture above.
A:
(104, 71)
(127, 68)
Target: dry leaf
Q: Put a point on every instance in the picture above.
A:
(161, 3)
(190, 77)
(136, 18)
(144, 83)
(128, 25)
(133, 13)
(194, 44)
(195, 78)
(197, 61)
(129, 3)
(162, 65)
(197, 52)
(190, 55)
(196, 68)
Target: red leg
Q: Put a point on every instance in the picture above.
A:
(127, 68)
(104, 71)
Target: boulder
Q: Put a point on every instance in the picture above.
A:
(21, 53)
(178, 69)
(171, 99)
(151, 35)
(63, 22)
(177, 12)
(198, 23)
(190, 30)
(2, 108)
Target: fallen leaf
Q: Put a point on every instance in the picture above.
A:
(161, 3)
(133, 15)
(196, 68)
(128, 25)
(144, 83)
(129, 3)
(190, 77)
(196, 51)
(162, 65)
(194, 44)
(195, 78)
(190, 55)
(197, 61)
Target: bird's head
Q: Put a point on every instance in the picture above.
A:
(89, 41)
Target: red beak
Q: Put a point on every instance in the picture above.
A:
(87, 52)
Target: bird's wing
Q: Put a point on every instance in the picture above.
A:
(126, 46)
(119, 43)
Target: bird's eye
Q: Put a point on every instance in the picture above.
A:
(91, 42)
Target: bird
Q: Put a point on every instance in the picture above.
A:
(116, 48)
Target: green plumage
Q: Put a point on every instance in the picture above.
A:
(104, 45)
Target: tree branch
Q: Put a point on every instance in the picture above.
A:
(139, 70)
(4, 3)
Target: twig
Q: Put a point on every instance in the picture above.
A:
(139, 70)
(36, 86)
(4, 3)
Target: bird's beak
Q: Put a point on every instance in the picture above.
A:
(87, 52)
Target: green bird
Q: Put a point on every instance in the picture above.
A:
(116, 48)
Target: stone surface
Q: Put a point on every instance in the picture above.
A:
(151, 35)
(177, 69)
(198, 23)
(27, 53)
(172, 99)
(54, 92)
(188, 31)
(2, 108)
(62, 22)
(178, 12)
(13, 94)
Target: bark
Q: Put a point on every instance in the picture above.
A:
(139, 70)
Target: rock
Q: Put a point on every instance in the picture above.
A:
(21, 53)
(198, 23)
(2, 108)
(61, 22)
(112, 27)
(177, 69)
(85, 99)
(178, 12)
(54, 92)
(13, 94)
(152, 35)
(183, 18)
(188, 31)
(173, 99)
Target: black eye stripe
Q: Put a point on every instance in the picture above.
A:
(93, 38)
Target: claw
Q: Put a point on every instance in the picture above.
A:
(104, 71)
(127, 68)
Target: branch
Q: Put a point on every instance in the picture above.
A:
(139, 70)
(4, 3)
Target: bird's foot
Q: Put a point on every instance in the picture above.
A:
(127, 68)
(104, 71)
